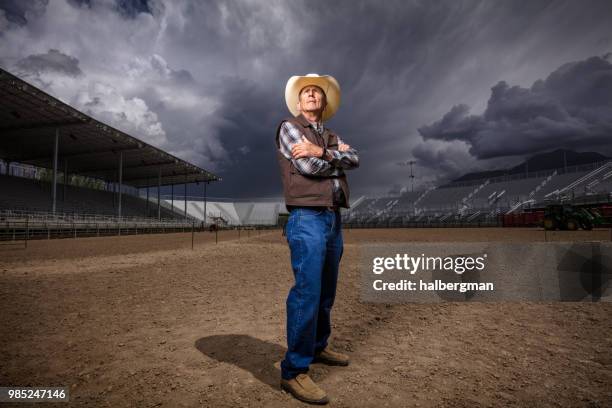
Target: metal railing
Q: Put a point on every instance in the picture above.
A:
(16, 225)
(45, 215)
(425, 223)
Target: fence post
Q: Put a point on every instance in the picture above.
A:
(192, 232)
(216, 236)
(27, 230)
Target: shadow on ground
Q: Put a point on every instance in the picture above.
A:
(251, 354)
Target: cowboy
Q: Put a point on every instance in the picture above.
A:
(312, 160)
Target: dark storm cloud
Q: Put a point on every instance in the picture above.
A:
(571, 108)
(53, 61)
(375, 64)
(79, 3)
(182, 76)
(447, 159)
(247, 161)
(19, 12)
(131, 8)
(247, 126)
(205, 80)
(382, 56)
(127, 8)
(179, 77)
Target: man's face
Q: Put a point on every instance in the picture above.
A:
(312, 99)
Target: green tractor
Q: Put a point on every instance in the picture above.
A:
(570, 218)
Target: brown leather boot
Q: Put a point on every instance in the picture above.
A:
(330, 357)
(303, 388)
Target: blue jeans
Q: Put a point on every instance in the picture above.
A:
(315, 241)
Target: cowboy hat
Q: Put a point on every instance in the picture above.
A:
(327, 83)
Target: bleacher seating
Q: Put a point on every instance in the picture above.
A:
(558, 182)
(603, 187)
(405, 203)
(504, 194)
(17, 193)
(445, 198)
(455, 201)
(485, 199)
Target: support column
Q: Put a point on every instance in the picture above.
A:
(55, 150)
(120, 182)
(158, 194)
(147, 205)
(205, 221)
(172, 197)
(185, 196)
(65, 180)
(114, 192)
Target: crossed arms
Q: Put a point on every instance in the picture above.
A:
(302, 154)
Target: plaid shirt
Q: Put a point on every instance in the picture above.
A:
(314, 166)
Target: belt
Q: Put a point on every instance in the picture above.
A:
(333, 208)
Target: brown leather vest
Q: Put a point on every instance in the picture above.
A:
(303, 190)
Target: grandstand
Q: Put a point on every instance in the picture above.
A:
(62, 166)
(482, 201)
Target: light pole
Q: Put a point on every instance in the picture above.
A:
(410, 163)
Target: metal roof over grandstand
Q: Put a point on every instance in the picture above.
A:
(30, 118)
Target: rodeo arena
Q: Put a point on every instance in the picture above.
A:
(133, 298)
(67, 174)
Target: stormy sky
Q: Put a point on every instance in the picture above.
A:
(457, 86)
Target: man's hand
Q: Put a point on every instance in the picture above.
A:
(343, 147)
(306, 149)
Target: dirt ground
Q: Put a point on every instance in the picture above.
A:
(144, 321)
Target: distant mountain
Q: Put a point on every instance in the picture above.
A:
(481, 175)
(545, 161)
(557, 159)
